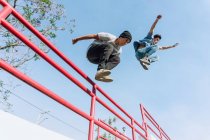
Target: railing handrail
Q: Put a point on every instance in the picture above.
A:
(154, 122)
(53, 96)
(114, 129)
(61, 55)
(7, 10)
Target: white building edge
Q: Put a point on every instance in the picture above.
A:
(14, 128)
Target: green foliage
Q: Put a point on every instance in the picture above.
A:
(47, 1)
(47, 16)
(4, 97)
(112, 122)
(1, 83)
(36, 57)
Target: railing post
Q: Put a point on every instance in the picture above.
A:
(92, 114)
(98, 133)
(5, 12)
(115, 138)
(133, 129)
(161, 136)
(144, 121)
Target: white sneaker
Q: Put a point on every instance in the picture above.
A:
(105, 79)
(145, 60)
(101, 73)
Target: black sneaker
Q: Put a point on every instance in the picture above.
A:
(144, 65)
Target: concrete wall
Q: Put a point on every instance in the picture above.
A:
(14, 128)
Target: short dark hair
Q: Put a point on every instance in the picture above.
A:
(126, 34)
(157, 36)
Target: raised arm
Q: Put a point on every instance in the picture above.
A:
(90, 36)
(154, 24)
(168, 47)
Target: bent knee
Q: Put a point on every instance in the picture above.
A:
(116, 60)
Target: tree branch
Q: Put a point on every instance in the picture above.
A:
(15, 3)
(24, 61)
(11, 45)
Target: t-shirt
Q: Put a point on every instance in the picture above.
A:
(108, 38)
(147, 42)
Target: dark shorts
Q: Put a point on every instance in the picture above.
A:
(94, 53)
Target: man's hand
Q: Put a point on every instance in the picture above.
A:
(74, 41)
(176, 44)
(159, 16)
(168, 47)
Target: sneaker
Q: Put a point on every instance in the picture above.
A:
(101, 73)
(105, 79)
(145, 60)
(144, 65)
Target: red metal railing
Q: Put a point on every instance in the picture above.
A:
(4, 13)
(147, 117)
(101, 137)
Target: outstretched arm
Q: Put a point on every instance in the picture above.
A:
(90, 36)
(154, 24)
(168, 47)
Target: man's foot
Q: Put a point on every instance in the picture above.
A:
(105, 79)
(101, 73)
(144, 65)
(145, 60)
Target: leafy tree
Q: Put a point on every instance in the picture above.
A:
(45, 15)
(112, 123)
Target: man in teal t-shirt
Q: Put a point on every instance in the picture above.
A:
(146, 47)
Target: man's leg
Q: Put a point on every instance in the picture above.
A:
(140, 55)
(105, 55)
(112, 62)
(148, 58)
(145, 62)
(153, 59)
(94, 55)
(94, 52)
(150, 51)
(145, 54)
(103, 70)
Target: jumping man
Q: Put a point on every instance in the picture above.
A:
(146, 47)
(105, 51)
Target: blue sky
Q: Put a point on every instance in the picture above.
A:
(175, 89)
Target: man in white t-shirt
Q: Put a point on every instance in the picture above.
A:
(105, 51)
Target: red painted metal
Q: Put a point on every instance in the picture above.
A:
(98, 133)
(46, 41)
(153, 131)
(144, 121)
(4, 13)
(133, 130)
(115, 130)
(112, 101)
(54, 96)
(92, 114)
(8, 26)
(42, 89)
(112, 129)
(146, 115)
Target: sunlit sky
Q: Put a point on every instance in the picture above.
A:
(175, 90)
